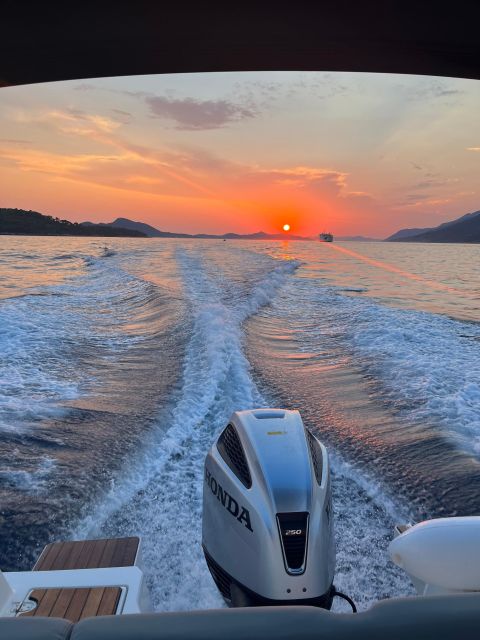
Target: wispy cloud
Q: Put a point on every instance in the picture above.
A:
(473, 148)
(436, 89)
(120, 168)
(14, 141)
(125, 117)
(77, 121)
(359, 196)
(69, 120)
(434, 183)
(422, 200)
(412, 197)
(306, 176)
(58, 165)
(85, 86)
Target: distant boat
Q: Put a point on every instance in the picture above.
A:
(325, 237)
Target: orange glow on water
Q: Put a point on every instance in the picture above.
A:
(389, 267)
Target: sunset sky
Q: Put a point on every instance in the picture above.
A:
(342, 152)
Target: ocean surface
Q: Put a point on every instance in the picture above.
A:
(122, 359)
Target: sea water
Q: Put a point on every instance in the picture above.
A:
(122, 359)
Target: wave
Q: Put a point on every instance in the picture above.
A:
(108, 253)
(35, 372)
(364, 517)
(214, 363)
(159, 495)
(64, 256)
(424, 367)
(63, 343)
(49, 336)
(32, 482)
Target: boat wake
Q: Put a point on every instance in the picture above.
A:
(159, 495)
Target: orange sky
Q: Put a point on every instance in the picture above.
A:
(348, 153)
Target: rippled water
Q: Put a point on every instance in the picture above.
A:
(121, 362)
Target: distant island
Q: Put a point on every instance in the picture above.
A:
(464, 229)
(152, 232)
(21, 222)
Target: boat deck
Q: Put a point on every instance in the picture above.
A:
(74, 604)
(84, 602)
(88, 554)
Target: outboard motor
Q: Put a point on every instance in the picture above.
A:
(267, 512)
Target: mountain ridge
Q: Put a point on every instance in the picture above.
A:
(23, 222)
(466, 229)
(153, 232)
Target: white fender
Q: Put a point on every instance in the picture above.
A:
(443, 552)
(6, 595)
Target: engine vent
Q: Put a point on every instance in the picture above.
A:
(231, 450)
(316, 454)
(264, 414)
(293, 529)
(221, 578)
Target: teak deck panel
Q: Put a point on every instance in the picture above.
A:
(88, 554)
(85, 602)
(75, 604)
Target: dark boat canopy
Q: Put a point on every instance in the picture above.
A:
(49, 41)
(440, 617)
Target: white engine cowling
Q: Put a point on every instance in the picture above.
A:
(441, 555)
(267, 528)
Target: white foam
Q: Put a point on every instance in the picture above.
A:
(159, 496)
(425, 366)
(32, 482)
(43, 336)
(364, 518)
(214, 359)
(34, 377)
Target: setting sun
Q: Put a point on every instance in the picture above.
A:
(286, 227)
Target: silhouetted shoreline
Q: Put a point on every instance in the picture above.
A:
(32, 223)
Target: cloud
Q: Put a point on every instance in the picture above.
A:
(78, 121)
(422, 199)
(188, 113)
(115, 169)
(128, 171)
(307, 177)
(417, 196)
(446, 92)
(205, 162)
(436, 89)
(60, 165)
(14, 141)
(473, 148)
(179, 171)
(85, 86)
(70, 121)
(359, 196)
(434, 182)
(197, 115)
(124, 117)
(144, 180)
